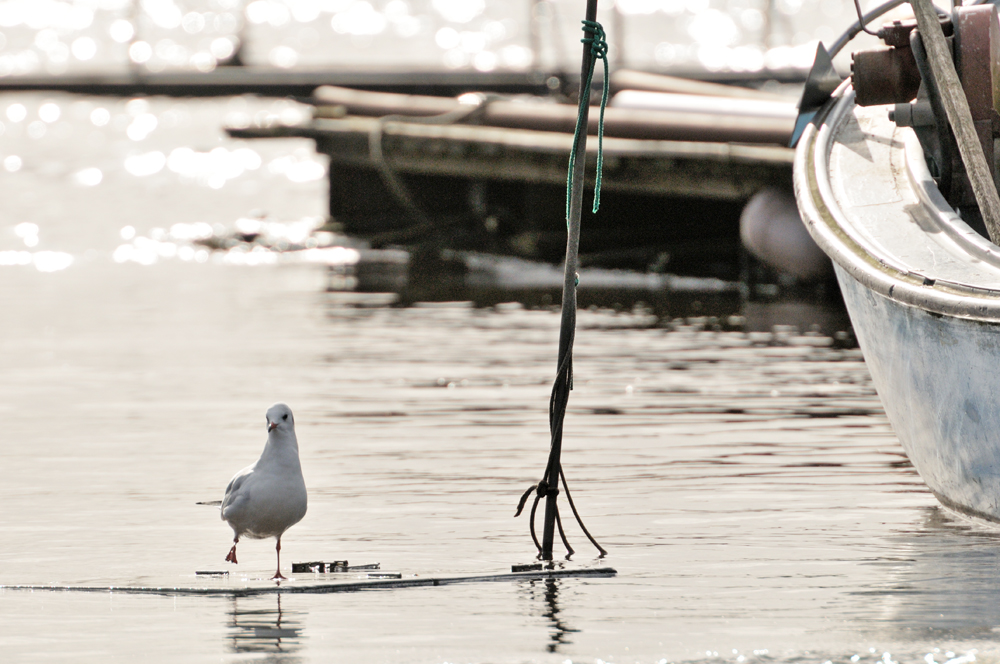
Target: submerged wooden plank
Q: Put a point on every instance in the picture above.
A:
(324, 588)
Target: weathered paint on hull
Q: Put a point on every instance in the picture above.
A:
(922, 289)
(937, 380)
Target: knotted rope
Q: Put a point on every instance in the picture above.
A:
(598, 51)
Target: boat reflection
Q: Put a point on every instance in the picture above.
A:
(258, 625)
(406, 278)
(942, 581)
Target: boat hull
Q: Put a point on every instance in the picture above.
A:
(922, 289)
(933, 375)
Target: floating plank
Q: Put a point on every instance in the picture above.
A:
(335, 587)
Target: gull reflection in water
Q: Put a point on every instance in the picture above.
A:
(258, 626)
(546, 593)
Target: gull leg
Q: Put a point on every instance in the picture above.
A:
(231, 558)
(277, 575)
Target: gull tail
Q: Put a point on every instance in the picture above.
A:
(214, 503)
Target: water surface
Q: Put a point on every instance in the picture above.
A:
(748, 488)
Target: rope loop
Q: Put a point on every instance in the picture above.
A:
(597, 39)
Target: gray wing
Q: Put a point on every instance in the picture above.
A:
(234, 496)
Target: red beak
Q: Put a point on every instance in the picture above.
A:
(271, 426)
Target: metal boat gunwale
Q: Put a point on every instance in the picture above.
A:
(832, 230)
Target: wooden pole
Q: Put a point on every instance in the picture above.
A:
(956, 107)
(568, 323)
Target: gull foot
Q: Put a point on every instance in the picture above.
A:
(279, 577)
(231, 557)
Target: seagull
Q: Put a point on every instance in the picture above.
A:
(268, 497)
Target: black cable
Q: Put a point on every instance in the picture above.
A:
(562, 534)
(557, 410)
(395, 186)
(586, 532)
(524, 499)
(531, 523)
(861, 19)
(858, 25)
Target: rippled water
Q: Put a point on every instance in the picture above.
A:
(747, 486)
(746, 483)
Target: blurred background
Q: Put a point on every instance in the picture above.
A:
(676, 36)
(116, 148)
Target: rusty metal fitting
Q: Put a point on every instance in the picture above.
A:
(885, 76)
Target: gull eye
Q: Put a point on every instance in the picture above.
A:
(285, 416)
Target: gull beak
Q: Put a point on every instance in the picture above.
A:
(271, 426)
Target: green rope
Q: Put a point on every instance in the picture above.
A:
(598, 51)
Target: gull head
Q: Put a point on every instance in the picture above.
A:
(279, 417)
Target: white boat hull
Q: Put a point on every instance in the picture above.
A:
(933, 374)
(923, 293)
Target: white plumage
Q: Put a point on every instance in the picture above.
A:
(268, 497)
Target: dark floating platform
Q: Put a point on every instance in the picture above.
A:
(295, 586)
(425, 172)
